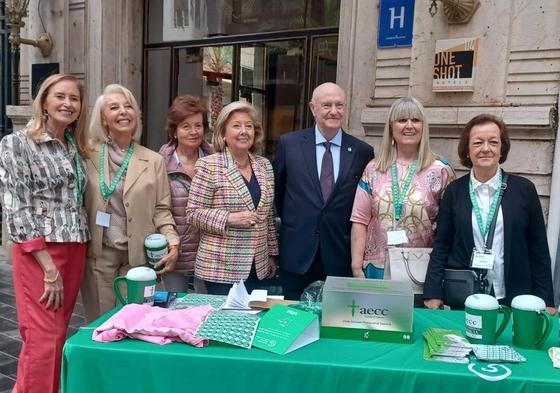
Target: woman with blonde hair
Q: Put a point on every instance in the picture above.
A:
(231, 203)
(127, 199)
(398, 196)
(42, 179)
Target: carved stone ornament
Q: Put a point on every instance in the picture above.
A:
(456, 11)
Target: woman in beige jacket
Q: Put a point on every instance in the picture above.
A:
(130, 203)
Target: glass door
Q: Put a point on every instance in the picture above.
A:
(276, 76)
(207, 72)
(270, 75)
(270, 53)
(272, 79)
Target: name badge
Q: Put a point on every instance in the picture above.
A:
(103, 219)
(482, 259)
(396, 237)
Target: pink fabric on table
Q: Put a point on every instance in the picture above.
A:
(154, 324)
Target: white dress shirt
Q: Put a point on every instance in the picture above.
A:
(484, 192)
(336, 143)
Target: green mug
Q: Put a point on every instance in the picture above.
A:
(155, 246)
(481, 318)
(140, 286)
(532, 324)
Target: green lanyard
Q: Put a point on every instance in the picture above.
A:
(493, 208)
(107, 191)
(185, 185)
(398, 199)
(80, 178)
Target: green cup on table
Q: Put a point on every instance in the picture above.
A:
(481, 319)
(532, 324)
(140, 286)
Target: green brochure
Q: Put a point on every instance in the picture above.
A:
(284, 329)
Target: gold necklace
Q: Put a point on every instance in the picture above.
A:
(244, 166)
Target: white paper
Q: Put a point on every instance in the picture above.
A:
(310, 334)
(103, 219)
(149, 290)
(238, 299)
(396, 237)
(481, 260)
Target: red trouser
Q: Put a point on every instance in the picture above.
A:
(43, 332)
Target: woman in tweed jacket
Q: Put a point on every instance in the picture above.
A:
(231, 202)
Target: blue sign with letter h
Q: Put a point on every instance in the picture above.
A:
(396, 19)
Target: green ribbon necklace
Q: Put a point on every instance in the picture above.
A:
(493, 208)
(80, 177)
(398, 198)
(107, 191)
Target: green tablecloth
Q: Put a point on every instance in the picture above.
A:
(327, 365)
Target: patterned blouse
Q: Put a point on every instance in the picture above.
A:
(38, 184)
(373, 207)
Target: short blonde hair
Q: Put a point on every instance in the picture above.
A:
(38, 121)
(405, 108)
(97, 132)
(221, 122)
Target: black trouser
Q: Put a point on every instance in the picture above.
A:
(293, 284)
(252, 282)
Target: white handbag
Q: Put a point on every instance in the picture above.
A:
(408, 264)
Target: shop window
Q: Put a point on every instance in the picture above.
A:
(182, 20)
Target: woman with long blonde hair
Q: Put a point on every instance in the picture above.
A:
(42, 179)
(398, 196)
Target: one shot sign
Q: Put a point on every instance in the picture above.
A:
(455, 64)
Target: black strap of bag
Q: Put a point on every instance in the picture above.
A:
(481, 273)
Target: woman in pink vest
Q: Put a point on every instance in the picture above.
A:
(187, 124)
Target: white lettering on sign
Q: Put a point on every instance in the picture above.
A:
(474, 321)
(399, 17)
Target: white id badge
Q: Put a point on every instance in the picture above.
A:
(103, 219)
(482, 260)
(396, 237)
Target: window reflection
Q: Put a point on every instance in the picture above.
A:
(181, 20)
(207, 72)
(270, 75)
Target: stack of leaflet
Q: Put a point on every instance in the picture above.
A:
(445, 345)
(239, 300)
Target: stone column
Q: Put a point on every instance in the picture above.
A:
(113, 38)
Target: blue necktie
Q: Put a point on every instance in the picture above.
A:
(327, 172)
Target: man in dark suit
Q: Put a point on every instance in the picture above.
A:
(316, 174)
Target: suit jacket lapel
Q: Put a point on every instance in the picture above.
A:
(346, 158)
(464, 201)
(236, 180)
(137, 165)
(508, 209)
(309, 151)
